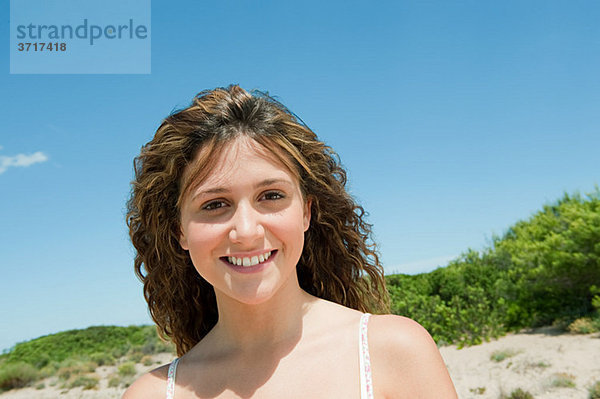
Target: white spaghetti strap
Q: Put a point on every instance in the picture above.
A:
(366, 383)
(171, 379)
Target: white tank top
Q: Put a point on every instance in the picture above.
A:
(366, 383)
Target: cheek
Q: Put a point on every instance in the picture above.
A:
(290, 227)
(202, 239)
(203, 242)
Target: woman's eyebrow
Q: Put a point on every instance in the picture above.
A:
(215, 190)
(224, 190)
(268, 182)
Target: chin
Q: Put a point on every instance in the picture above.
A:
(263, 293)
(256, 298)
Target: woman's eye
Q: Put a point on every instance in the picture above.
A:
(273, 195)
(213, 205)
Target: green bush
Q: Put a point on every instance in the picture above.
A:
(17, 375)
(555, 260)
(583, 325)
(49, 370)
(135, 356)
(594, 391)
(537, 365)
(518, 394)
(152, 347)
(541, 271)
(85, 381)
(70, 355)
(127, 369)
(103, 359)
(459, 303)
(147, 361)
(65, 373)
(563, 380)
(91, 343)
(478, 390)
(114, 382)
(73, 367)
(500, 355)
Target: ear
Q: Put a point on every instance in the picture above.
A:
(307, 211)
(183, 241)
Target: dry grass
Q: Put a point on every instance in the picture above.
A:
(584, 325)
(478, 390)
(563, 380)
(517, 394)
(594, 391)
(500, 355)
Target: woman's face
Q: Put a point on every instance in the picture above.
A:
(244, 224)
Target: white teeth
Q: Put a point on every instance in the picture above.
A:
(247, 261)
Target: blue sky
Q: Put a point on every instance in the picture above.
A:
(454, 119)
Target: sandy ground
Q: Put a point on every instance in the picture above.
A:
(534, 360)
(539, 359)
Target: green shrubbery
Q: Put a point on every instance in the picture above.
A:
(114, 381)
(584, 325)
(100, 344)
(127, 369)
(500, 355)
(85, 381)
(17, 375)
(103, 359)
(563, 380)
(73, 355)
(459, 303)
(542, 271)
(517, 394)
(147, 360)
(595, 391)
(70, 368)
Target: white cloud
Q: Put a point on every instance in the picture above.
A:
(22, 160)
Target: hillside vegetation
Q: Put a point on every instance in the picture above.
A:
(542, 271)
(74, 355)
(104, 341)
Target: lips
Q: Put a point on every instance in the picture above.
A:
(249, 261)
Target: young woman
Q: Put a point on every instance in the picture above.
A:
(258, 266)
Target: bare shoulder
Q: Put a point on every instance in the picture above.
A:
(150, 385)
(406, 361)
(401, 333)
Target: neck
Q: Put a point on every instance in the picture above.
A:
(278, 320)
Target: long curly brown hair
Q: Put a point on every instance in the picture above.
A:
(339, 261)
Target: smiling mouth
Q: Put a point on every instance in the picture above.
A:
(250, 260)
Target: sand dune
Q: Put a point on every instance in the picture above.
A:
(538, 362)
(535, 361)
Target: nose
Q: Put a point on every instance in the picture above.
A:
(246, 226)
